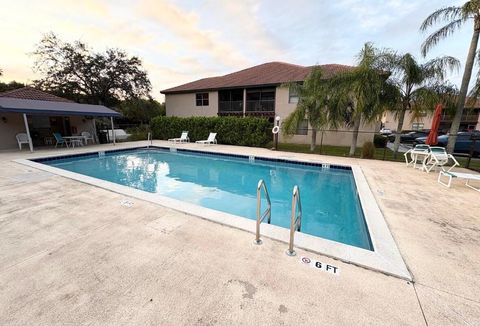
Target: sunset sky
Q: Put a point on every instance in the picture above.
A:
(180, 41)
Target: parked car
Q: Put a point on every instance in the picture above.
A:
(385, 131)
(409, 137)
(462, 145)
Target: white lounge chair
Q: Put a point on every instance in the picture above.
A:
(438, 158)
(120, 134)
(211, 139)
(22, 138)
(467, 176)
(419, 152)
(183, 138)
(87, 136)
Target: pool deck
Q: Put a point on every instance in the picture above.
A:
(71, 253)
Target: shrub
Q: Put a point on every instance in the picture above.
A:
(368, 150)
(380, 141)
(138, 133)
(248, 131)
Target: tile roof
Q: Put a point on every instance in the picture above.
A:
(30, 93)
(271, 73)
(30, 100)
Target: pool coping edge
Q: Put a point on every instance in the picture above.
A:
(385, 258)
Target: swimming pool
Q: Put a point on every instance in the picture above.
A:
(227, 183)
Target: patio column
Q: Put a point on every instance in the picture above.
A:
(28, 132)
(95, 137)
(113, 131)
(244, 101)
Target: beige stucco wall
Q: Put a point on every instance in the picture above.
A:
(342, 137)
(9, 129)
(184, 105)
(390, 122)
(81, 124)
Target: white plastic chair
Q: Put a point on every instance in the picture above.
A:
(87, 136)
(419, 151)
(438, 158)
(183, 138)
(211, 139)
(22, 138)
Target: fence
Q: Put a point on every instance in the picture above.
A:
(338, 143)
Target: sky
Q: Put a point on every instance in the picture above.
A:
(183, 40)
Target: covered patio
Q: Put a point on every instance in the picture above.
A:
(39, 115)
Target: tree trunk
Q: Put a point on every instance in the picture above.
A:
(401, 119)
(313, 143)
(467, 74)
(356, 126)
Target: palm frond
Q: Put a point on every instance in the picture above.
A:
(436, 68)
(433, 39)
(443, 14)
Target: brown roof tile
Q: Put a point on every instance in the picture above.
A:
(271, 73)
(30, 93)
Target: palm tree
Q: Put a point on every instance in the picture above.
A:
(361, 94)
(418, 85)
(455, 17)
(312, 101)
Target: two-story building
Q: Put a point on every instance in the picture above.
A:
(256, 91)
(470, 120)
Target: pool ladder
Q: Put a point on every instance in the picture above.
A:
(267, 213)
(296, 216)
(296, 219)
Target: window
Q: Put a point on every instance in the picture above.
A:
(201, 99)
(292, 96)
(260, 100)
(230, 100)
(302, 128)
(417, 126)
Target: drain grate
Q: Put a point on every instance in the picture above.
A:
(126, 202)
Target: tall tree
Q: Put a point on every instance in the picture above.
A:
(418, 85)
(141, 110)
(312, 105)
(455, 17)
(363, 93)
(98, 78)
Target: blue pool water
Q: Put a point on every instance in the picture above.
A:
(331, 208)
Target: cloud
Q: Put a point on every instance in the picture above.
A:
(185, 26)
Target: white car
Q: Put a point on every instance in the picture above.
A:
(385, 131)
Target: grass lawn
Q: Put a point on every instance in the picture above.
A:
(380, 153)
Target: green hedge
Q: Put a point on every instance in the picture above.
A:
(246, 131)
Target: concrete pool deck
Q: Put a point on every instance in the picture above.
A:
(70, 253)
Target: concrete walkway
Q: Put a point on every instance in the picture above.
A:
(71, 253)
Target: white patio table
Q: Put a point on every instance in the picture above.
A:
(74, 140)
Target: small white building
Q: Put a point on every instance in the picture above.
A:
(40, 114)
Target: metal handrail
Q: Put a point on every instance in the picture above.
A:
(268, 212)
(149, 140)
(296, 220)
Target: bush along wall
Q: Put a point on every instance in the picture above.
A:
(248, 131)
